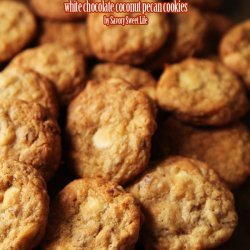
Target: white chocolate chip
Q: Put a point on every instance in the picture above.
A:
(7, 133)
(11, 196)
(103, 138)
(190, 81)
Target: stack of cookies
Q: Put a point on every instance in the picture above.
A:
(121, 137)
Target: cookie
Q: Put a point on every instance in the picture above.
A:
(18, 27)
(17, 83)
(202, 92)
(138, 78)
(235, 50)
(189, 35)
(226, 150)
(129, 44)
(55, 32)
(235, 110)
(109, 127)
(29, 135)
(185, 206)
(24, 206)
(63, 66)
(187, 38)
(54, 10)
(94, 214)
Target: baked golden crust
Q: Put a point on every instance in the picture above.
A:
(63, 66)
(18, 27)
(226, 150)
(17, 83)
(24, 206)
(73, 34)
(138, 78)
(129, 44)
(201, 89)
(54, 9)
(109, 126)
(235, 110)
(187, 38)
(94, 214)
(29, 135)
(185, 206)
(189, 35)
(235, 50)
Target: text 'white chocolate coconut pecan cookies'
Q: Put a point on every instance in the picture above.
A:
(202, 92)
(30, 135)
(130, 44)
(93, 214)
(63, 66)
(24, 206)
(17, 83)
(185, 206)
(109, 127)
(17, 28)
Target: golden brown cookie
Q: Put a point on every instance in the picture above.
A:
(73, 34)
(18, 26)
(202, 92)
(94, 214)
(226, 150)
(236, 109)
(29, 135)
(187, 38)
(17, 83)
(54, 9)
(235, 50)
(139, 79)
(189, 35)
(63, 66)
(24, 206)
(129, 44)
(109, 126)
(185, 206)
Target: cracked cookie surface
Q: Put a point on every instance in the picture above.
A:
(54, 32)
(129, 44)
(139, 78)
(189, 35)
(94, 214)
(194, 91)
(29, 135)
(63, 66)
(226, 150)
(54, 10)
(18, 83)
(109, 127)
(17, 28)
(24, 206)
(185, 206)
(235, 50)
